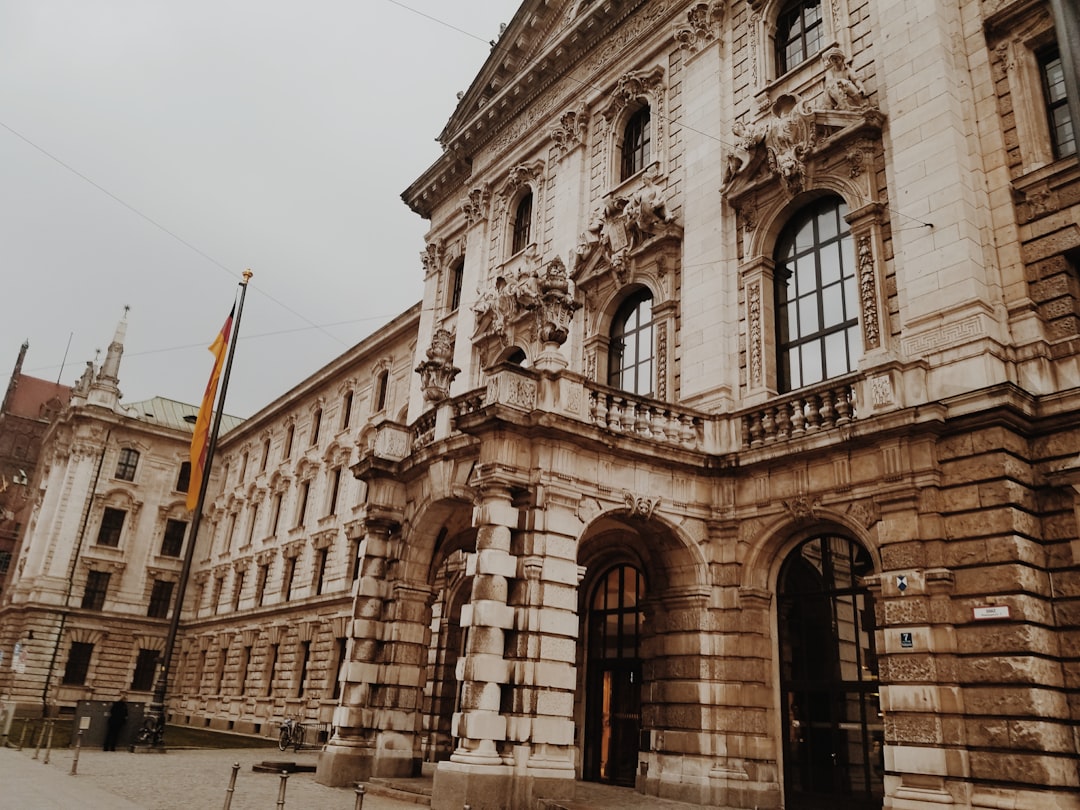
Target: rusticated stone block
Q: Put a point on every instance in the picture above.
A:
(1005, 638)
(901, 556)
(907, 668)
(913, 728)
(984, 522)
(1009, 669)
(912, 610)
(997, 579)
(1027, 769)
(1009, 701)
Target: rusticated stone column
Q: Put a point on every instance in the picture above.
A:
(350, 755)
(477, 770)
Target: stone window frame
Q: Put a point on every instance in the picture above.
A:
(381, 385)
(1017, 52)
(523, 180)
(756, 273)
(633, 91)
(127, 464)
(123, 501)
(765, 69)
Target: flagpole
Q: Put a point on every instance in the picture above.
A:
(155, 732)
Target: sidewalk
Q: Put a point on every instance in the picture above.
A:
(177, 780)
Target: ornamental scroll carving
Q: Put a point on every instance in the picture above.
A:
(753, 309)
(513, 294)
(623, 223)
(474, 205)
(868, 292)
(641, 506)
(570, 133)
(431, 256)
(704, 21)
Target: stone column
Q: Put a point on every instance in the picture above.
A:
(476, 772)
(350, 754)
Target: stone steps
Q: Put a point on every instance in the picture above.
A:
(417, 791)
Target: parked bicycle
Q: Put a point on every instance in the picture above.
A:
(292, 733)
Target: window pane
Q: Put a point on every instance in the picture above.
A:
(832, 303)
(794, 370)
(808, 315)
(811, 363)
(836, 354)
(829, 256)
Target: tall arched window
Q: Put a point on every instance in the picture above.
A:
(522, 224)
(800, 33)
(631, 357)
(833, 731)
(636, 143)
(457, 277)
(817, 303)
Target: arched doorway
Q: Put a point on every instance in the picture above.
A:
(832, 728)
(613, 676)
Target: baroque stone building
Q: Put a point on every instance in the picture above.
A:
(741, 466)
(731, 454)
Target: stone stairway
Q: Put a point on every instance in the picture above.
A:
(416, 790)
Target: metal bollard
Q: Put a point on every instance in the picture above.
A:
(40, 739)
(48, 741)
(78, 748)
(359, 797)
(281, 790)
(25, 723)
(231, 789)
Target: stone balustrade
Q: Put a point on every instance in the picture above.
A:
(805, 412)
(621, 412)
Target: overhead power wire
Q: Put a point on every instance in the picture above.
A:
(164, 229)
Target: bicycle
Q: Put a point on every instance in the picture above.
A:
(292, 733)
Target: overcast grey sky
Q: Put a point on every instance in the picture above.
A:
(255, 133)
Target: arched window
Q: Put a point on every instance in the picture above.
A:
(631, 357)
(636, 143)
(833, 732)
(800, 33)
(522, 224)
(817, 300)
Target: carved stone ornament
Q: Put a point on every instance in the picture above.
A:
(704, 21)
(474, 204)
(868, 292)
(803, 507)
(431, 257)
(513, 294)
(557, 305)
(630, 87)
(640, 506)
(843, 89)
(570, 133)
(438, 371)
(623, 224)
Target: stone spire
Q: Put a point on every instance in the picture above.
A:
(105, 390)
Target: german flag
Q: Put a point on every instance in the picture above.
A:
(200, 439)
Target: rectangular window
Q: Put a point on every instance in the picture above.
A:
(112, 524)
(301, 503)
(242, 671)
(346, 409)
(316, 424)
(238, 590)
(354, 550)
(335, 672)
(183, 478)
(277, 513)
(243, 467)
(287, 575)
(5, 562)
(201, 671)
(260, 583)
(173, 542)
(125, 467)
(253, 517)
(219, 669)
(1062, 133)
(78, 663)
(160, 599)
(265, 456)
(320, 571)
(97, 584)
(230, 531)
(305, 659)
(271, 665)
(145, 669)
(457, 278)
(215, 595)
(335, 485)
(287, 450)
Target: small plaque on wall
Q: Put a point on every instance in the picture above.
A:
(991, 612)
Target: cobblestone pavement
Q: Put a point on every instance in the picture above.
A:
(177, 780)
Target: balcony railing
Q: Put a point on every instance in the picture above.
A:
(804, 412)
(621, 412)
(793, 416)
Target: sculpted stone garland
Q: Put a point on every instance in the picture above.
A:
(753, 306)
(868, 292)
